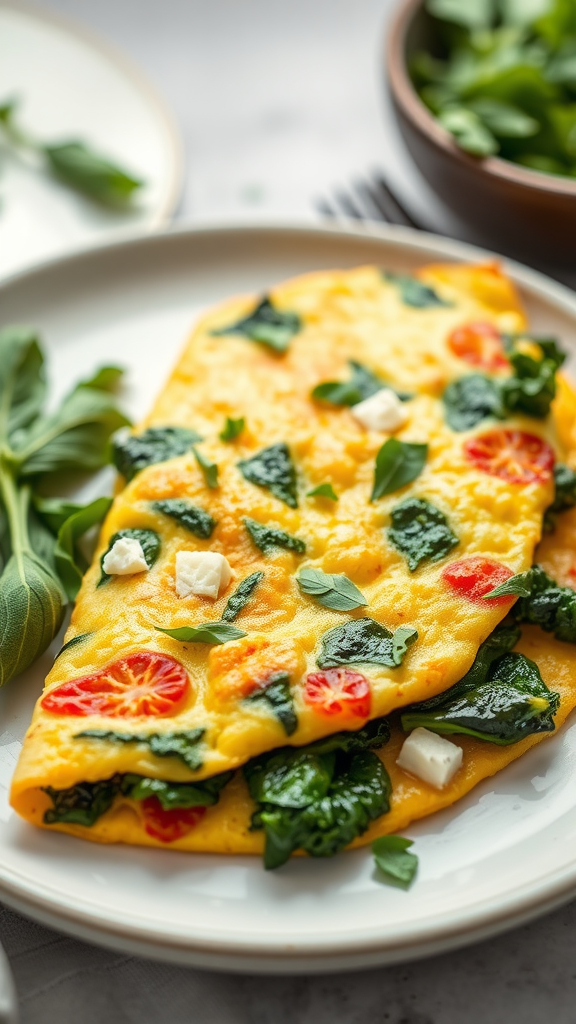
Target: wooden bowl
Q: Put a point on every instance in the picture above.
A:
(522, 212)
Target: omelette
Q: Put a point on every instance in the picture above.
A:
(298, 566)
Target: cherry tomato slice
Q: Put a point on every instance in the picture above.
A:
(338, 691)
(512, 455)
(140, 684)
(474, 577)
(169, 825)
(478, 344)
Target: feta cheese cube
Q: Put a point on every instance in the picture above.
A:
(382, 411)
(125, 557)
(204, 573)
(430, 757)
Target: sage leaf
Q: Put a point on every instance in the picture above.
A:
(185, 745)
(277, 696)
(87, 171)
(149, 540)
(22, 380)
(272, 327)
(273, 469)
(414, 292)
(323, 491)
(267, 538)
(191, 517)
(241, 596)
(421, 532)
(209, 469)
(395, 862)
(131, 453)
(70, 562)
(363, 641)
(397, 464)
(332, 590)
(208, 633)
(515, 586)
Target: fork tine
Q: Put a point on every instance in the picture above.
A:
(348, 205)
(376, 210)
(382, 192)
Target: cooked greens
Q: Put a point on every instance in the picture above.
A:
(183, 745)
(232, 429)
(564, 494)
(273, 469)
(131, 453)
(267, 538)
(277, 696)
(414, 292)
(149, 540)
(397, 464)
(241, 596)
(272, 327)
(193, 518)
(323, 491)
(421, 532)
(207, 633)
(471, 399)
(363, 383)
(365, 641)
(548, 605)
(73, 642)
(209, 469)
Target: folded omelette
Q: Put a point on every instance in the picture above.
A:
(297, 571)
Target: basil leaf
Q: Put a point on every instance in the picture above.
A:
(421, 532)
(75, 640)
(173, 795)
(70, 562)
(518, 585)
(80, 167)
(191, 517)
(209, 469)
(323, 491)
(22, 379)
(396, 864)
(470, 400)
(331, 590)
(241, 596)
(272, 327)
(364, 641)
(232, 429)
(363, 384)
(414, 292)
(273, 469)
(267, 538)
(397, 464)
(131, 453)
(277, 696)
(183, 745)
(82, 804)
(549, 606)
(207, 633)
(149, 540)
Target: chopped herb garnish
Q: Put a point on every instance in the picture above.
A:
(414, 292)
(232, 429)
(273, 469)
(272, 327)
(207, 633)
(193, 518)
(397, 464)
(209, 469)
(183, 745)
(330, 589)
(421, 532)
(365, 641)
(323, 491)
(241, 596)
(149, 540)
(267, 538)
(396, 864)
(73, 643)
(515, 586)
(277, 696)
(131, 453)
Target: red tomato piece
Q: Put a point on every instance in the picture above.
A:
(474, 577)
(478, 344)
(338, 691)
(168, 826)
(145, 683)
(512, 455)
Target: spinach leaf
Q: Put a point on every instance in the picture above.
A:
(363, 383)
(209, 469)
(330, 589)
(564, 494)
(73, 642)
(273, 469)
(414, 292)
(323, 491)
(193, 518)
(232, 429)
(149, 540)
(533, 386)
(267, 538)
(173, 795)
(69, 559)
(371, 736)
(276, 695)
(183, 745)
(397, 464)
(549, 606)
(518, 585)
(241, 596)
(80, 167)
(499, 643)
(207, 633)
(364, 641)
(470, 400)
(82, 804)
(266, 324)
(511, 703)
(421, 532)
(397, 865)
(131, 453)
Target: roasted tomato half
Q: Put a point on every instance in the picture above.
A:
(512, 455)
(338, 691)
(475, 577)
(480, 345)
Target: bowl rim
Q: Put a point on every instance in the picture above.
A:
(406, 97)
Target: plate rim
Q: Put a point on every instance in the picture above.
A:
(462, 927)
(129, 68)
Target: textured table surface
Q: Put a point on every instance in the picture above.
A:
(278, 102)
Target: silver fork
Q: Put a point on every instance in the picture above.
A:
(369, 198)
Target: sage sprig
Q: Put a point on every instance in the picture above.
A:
(333, 590)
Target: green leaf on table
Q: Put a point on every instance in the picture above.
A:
(323, 491)
(421, 532)
(272, 327)
(331, 589)
(365, 641)
(131, 453)
(515, 586)
(191, 517)
(207, 633)
(277, 696)
(395, 862)
(267, 538)
(397, 464)
(209, 469)
(241, 596)
(149, 540)
(273, 469)
(71, 563)
(232, 429)
(185, 745)
(413, 292)
(73, 642)
(471, 399)
(79, 166)
(32, 605)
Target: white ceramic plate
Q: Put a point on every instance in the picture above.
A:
(503, 855)
(71, 84)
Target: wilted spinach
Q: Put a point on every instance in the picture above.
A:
(267, 538)
(183, 745)
(365, 641)
(133, 452)
(421, 532)
(414, 292)
(241, 596)
(564, 494)
(192, 518)
(149, 540)
(273, 469)
(277, 696)
(549, 606)
(272, 327)
(363, 383)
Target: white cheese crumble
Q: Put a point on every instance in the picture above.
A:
(126, 557)
(204, 573)
(382, 411)
(430, 757)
